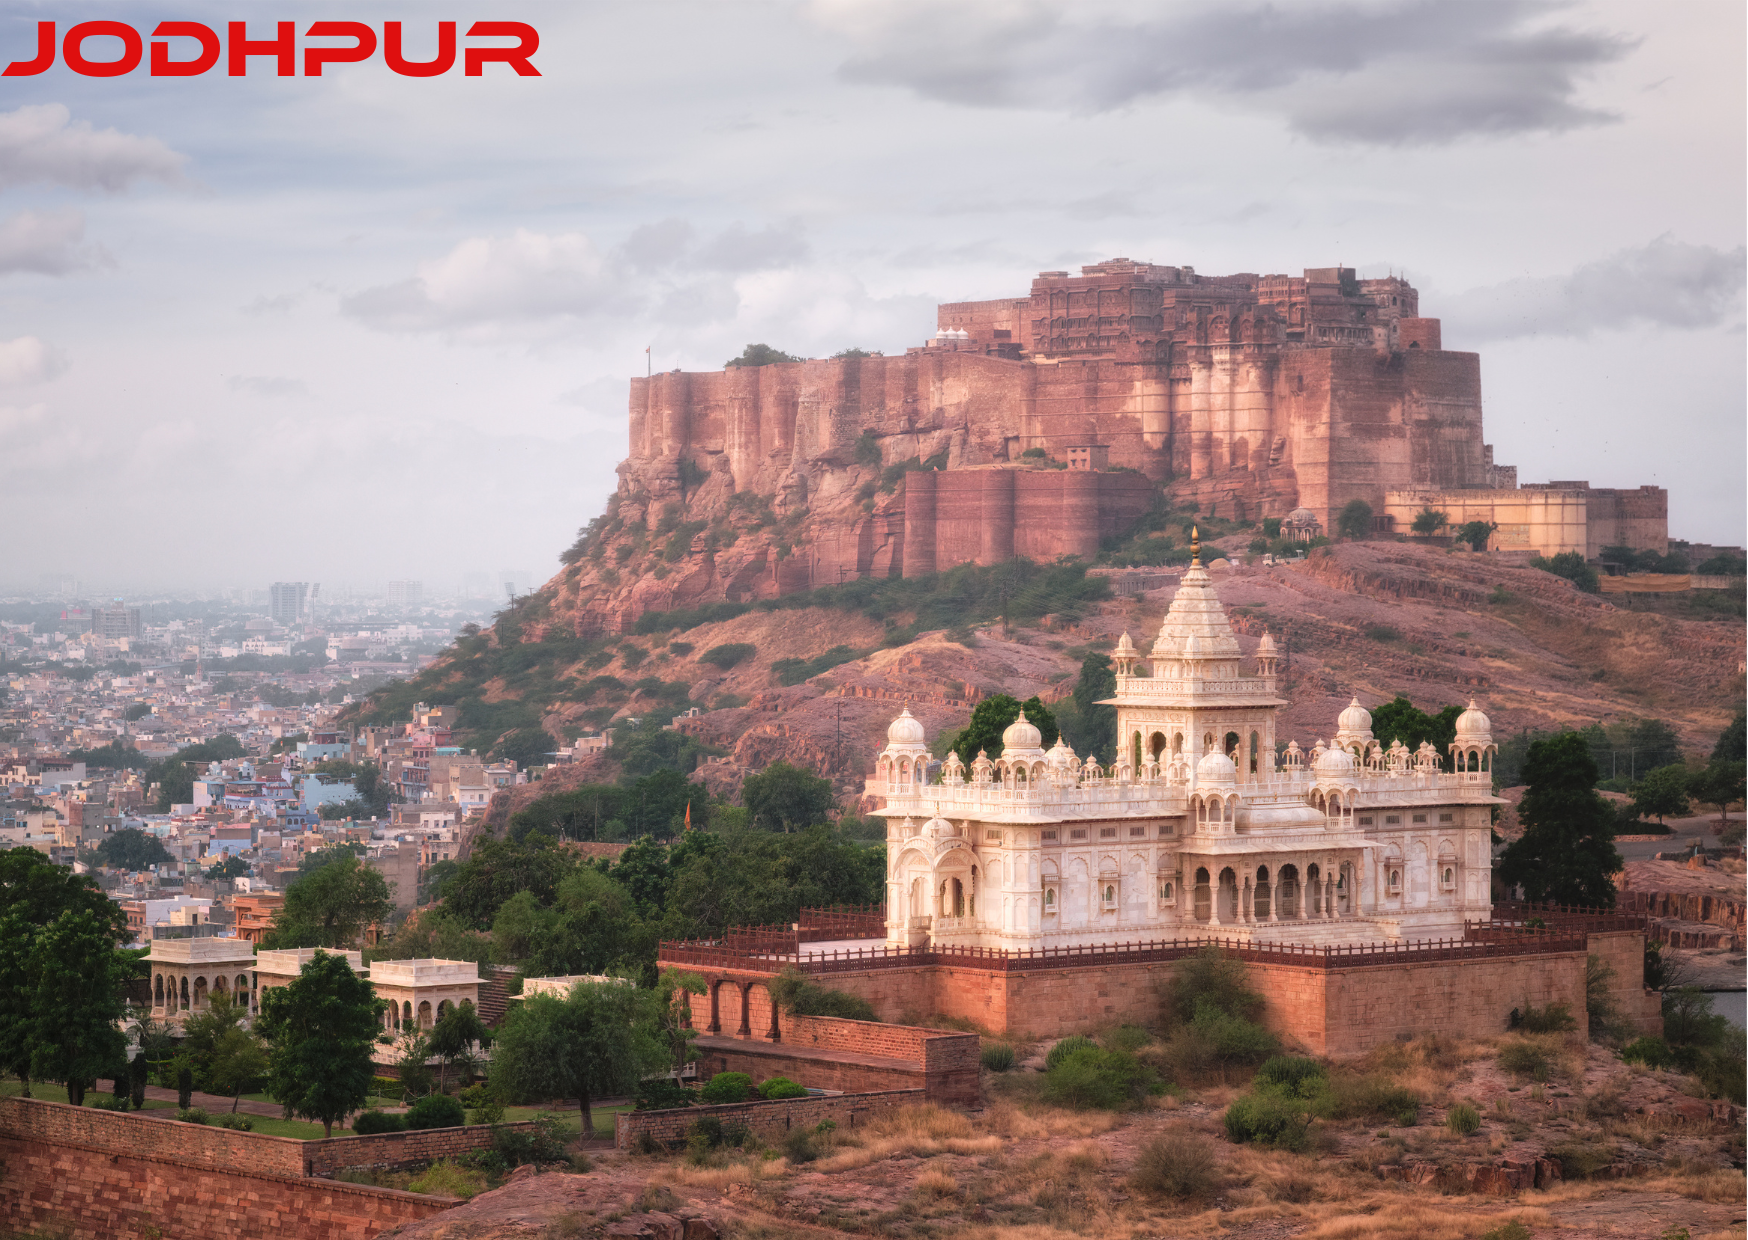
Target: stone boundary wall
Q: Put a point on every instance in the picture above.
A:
(398, 1150)
(769, 1121)
(91, 1175)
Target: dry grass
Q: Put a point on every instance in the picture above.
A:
(1417, 1221)
(937, 1184)
(923, 1131)
(735, 1169)
(1038, 1122)
(1717, 1187)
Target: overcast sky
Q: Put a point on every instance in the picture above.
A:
(367, 326)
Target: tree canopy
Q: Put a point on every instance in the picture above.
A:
(600, 1039)
(1088, 727)
(1402, 720)
(1476, 533)
(1571, 566)
(1430, 521)
(761, 355)
(1566, 853)
(991, 717)
(321, 1028)
(331, 906)
(132, 849)
(1663, 791)
(1355, 520)
(175, 774)
(787, 798)
(61, 971)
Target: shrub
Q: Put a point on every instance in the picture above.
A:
(1510, 1230)
(435, 1111)
(727, 1087)
(797, 994)
(1369, 1097)
(106, 1102)
(1580, 1159)
(1383, 633)
(726, 656)
(1652, 1051)
(545, 1144)
(1178, 1165)
(780, 1087)
(385, 1087)
(664, 1093)
(489, 1111)
(998, 1057)
(1293, 1075)
(867, 449)
(1267, 1119)
(1212, 978)
(800, 1146)
(448, 1179)
(1098, 1079)
(1525, 1058)
(192, 1115)
(1463, 1119)
(1066, 1047)
(1555, 1018)
(240, 1123)
(1129, 1038)
(371, 1122)
(1233, 1038)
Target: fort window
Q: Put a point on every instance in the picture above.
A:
(992, 836)
(1050, 834)
(1049, 899)
(1110, 895)
(1077, 833)
(1448, 880)
(1392, 819)
(1366, 820)
(1166, 895)
(1137, 833)
(1444, 818)
(1395, 882)
(1107, 833)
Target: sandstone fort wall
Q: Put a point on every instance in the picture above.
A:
(91, 1175)
(769, 1121)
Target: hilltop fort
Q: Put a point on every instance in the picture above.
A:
(1045, 425)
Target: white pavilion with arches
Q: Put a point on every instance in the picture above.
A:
(1202, 825)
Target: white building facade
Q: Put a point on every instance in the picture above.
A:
(1198, 828)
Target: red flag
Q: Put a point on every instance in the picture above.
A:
(688, 815)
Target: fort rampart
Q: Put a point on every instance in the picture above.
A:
(769, 1121)
(90, 1174)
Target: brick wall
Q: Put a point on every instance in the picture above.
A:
(92, 1175)
(763, 1060)
(392, 1150)
(770, 1121)
(1624, 952)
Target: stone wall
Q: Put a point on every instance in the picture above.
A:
(92, 1175)
(1335, 1012)
(398, 1150)
(769, 1121)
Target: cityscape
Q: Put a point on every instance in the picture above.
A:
(1121, 622)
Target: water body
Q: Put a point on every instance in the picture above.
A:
(1731, 1003)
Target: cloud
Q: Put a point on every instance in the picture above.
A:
(18, 417)
(1667, 283)
(1399, 73)
(269, 386)
(28, 360)
(662, 271)
(48, 243)
(280, 303)
(41, 143)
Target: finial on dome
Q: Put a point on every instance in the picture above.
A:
(1195, 546)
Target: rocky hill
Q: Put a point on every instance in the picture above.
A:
(815, 680)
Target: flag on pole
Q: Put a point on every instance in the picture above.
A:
(688, 815)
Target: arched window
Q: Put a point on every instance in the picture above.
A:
(1255, 751)
(1050, 897)
(407, 1015)
(185, 993)
(1165, 893)
(1110, 895)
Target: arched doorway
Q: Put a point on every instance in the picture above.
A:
(1203, 902)
(1287, 892)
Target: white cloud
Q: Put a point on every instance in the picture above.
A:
(1667, 283)
(18, 417)
(1396, 73)
(48, 243)
(270, 386)
(28, 360)
(42, 144)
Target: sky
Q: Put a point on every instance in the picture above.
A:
(365, 326)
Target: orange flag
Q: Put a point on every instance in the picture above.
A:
(688, 815)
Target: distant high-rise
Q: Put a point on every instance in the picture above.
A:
(286, 601)
(116, 621)
(405, 595)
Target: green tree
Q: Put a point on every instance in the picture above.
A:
(459, 1030)
(526, 747)
(1732, 745)
(787, 797)
(60, 973)
(673, 1028)
(203, 1031)
(132, 849)
(1566, 853)
(1355, 520)
(498, 869)
(237, 1063)
(1401, 720)
(175, 774)
(229, 867)
(868, 449)
(321, 1028)
(1093, 728)
(760, 355)
(331, 906)
(1476, 533)
(600, 1039)
(1662, 791)
(1571, 566)
(991, 717)
(1720, 784)
(1430, 521)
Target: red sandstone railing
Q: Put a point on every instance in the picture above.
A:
(727, 954)
(1517, 914)
(842, 921)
